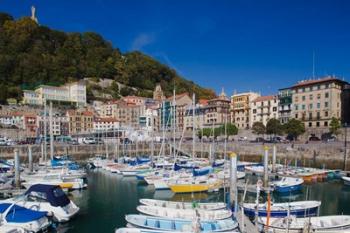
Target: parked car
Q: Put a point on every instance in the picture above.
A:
(328, 137)
(314, 139)
(242, 139)
(259, 139)
(89, 140)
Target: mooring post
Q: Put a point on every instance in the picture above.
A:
(17, 171)
(233, 183)
(266, 166)
(30, 159)
(274, 158)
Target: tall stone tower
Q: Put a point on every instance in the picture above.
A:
(158, 93)
(33, 17)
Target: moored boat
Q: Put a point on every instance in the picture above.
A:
(288, 184)
(278, 210)
(346, 180)
(334, 224)
(179, 225)
(183, 205)
(184, 214)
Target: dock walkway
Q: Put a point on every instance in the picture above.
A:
(245, 225)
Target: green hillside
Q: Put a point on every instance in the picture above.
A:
(31, 54)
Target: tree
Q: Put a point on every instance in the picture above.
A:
(258, 128)
(294, 128)
(334, 126)
(274, 127)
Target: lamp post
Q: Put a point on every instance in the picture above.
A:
(345, 145)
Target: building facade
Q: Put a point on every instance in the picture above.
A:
(105, 124)
(80, 121)
(285, 104)
(60, 125)
(264, 108)
(316, 102)
(70, 93)
(240, 109)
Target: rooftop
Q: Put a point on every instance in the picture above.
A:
(265, 98)
(317, 81)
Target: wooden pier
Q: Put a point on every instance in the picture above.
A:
(245, 225)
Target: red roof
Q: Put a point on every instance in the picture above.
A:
(105, 119)
(316, 81)
(265, 98)
(203, 101)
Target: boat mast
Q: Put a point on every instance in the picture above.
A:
(51, 131)
(193, 125)
(174, 123)
(45, 131)
(163, 137)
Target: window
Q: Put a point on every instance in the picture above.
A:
(303, 97)
(310, 106)
(310, 124)
(303, 107)
(254, 110)
(326, 104)
(296, 116)
(311, 97)
(317, 124)
(319, 87)
(326, 113)
(318, 96)
(296, 107)
(326, 95)
(310, 115)
(318, 105)
(326, 123)
(274, 109)
(318, 115)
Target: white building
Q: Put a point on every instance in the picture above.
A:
(105, 124)
(73, 92)
(263, 109)
(147, 121)
(60, 125)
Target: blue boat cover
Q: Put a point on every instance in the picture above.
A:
(202, 171)
(52, 193)
(19, 214)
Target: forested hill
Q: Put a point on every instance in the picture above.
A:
(31, 54)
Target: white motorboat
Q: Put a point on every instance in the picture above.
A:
(15, 216)
(49, 198)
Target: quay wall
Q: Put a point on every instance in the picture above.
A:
(328, 155)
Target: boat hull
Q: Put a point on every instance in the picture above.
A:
(287, 189)
(179, 188)
(284, 213)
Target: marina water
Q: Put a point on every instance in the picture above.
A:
(110, 197)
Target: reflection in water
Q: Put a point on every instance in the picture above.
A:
(110, 197)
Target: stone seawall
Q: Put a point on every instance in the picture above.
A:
(328, 155)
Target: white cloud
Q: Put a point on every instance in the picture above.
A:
(142, 40)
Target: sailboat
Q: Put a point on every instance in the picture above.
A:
(183, 205)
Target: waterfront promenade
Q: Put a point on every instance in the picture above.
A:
(318, 154)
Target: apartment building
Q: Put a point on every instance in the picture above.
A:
(80, 121)
(126, 114)
(315, 102)
(105, 124)
(217, 112)
(60, 125)
(264, 108)
(240, 109)
(285, 102)
(70, 93)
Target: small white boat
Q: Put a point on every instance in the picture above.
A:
(139, 230)
(334, 224)
(288, 184)
(185, 214)
(180, 225)
(346, 180)
(183, 205)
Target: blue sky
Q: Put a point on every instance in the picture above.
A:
(240, 45)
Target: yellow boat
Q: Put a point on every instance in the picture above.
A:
(66, 185)
(195, 186)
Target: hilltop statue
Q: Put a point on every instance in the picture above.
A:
(33, 17)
